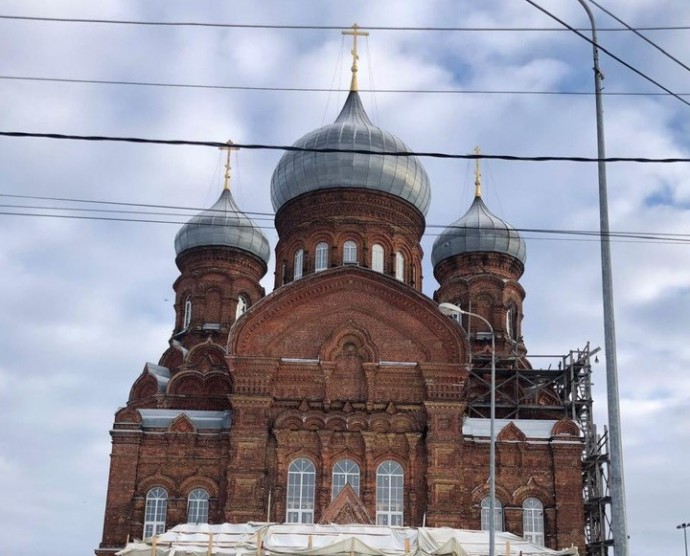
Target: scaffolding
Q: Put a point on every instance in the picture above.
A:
(523, 392)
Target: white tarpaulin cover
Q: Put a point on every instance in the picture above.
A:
(261, 539)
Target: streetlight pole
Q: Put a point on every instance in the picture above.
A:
(452, 310)
(619, 526)
(684, 527)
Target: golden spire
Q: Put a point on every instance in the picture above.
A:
(230, 147)
(477, 175)
(355, 33)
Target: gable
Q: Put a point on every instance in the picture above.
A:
(396, 322)
(346, 509)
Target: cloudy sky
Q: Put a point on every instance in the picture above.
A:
(86, 302)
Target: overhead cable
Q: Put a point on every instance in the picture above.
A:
(573, 235)
(293, 148)
(605, 50)
(671, 237)
(647, 40)
(319, 27)
(318, 89)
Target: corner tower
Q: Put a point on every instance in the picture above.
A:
(222, 256)
(478, 261)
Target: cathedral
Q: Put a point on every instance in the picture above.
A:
(345, 395)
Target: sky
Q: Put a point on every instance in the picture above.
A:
(87, 302)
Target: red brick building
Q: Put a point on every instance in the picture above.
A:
(343, 395)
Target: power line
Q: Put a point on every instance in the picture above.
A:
(573, 235)
(605, 50)
(648, 41)
(317, 89)
(662, 237)
(293, 148)
(322, 27)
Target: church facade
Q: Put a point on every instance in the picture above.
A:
(341, 396)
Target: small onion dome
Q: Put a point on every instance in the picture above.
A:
(300, 172)
(225, 225)
(478, 231)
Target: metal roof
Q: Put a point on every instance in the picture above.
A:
(532, 428)
(161, 418)
(302, 172)
(225, 225)
(161, 374)
(478, 230)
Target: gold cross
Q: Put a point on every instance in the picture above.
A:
(477, 175)
(230, 147)
(355, 33)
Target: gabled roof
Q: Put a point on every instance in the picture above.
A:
(346, 508)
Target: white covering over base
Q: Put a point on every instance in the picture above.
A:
(261, 539)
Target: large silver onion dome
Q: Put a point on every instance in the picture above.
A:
(225, 225)
(302, 172)
(478, 231)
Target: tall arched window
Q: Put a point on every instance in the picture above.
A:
(197, 506)
(533, 521)
(242, 306)
(400, 266)
(349, 252)
(498, 513)
(300, 491)
(155, 511)
(321, 257)
(298, 264)
(389, 493)
(187, 319)
(345, 471)
(377, 257)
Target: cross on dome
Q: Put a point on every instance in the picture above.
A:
(355, 33)
(477, 174)
(230, 147)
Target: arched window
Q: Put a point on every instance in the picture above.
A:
(533, 521)
(187, 312)
(154, 513)
(389, 493)
(349, 252)
(242, 306)
(197, 506)
(498, 513)
(510, 321)
(321, 257)
(377, 257)
(400, 266)
(345, 471)
(299, 263)
(300, 491)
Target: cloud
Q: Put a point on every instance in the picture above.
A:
(87, 303)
